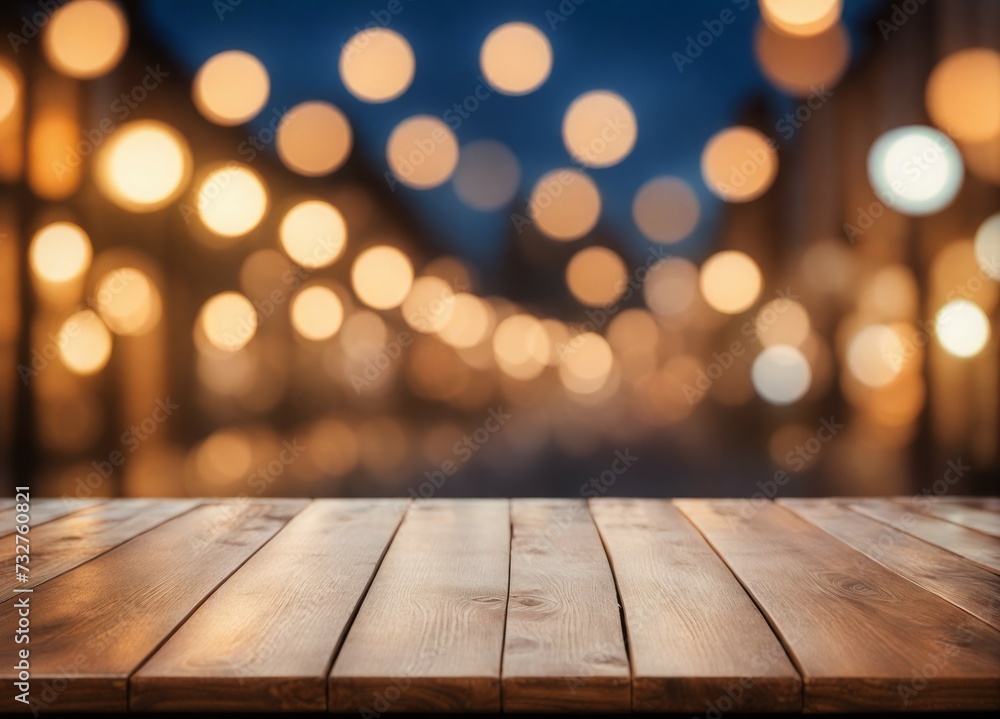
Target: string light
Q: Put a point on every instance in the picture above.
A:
(60, 252)
(377, 65)
(85, 38)
(516, 58)
(231, 88)
(144, 166)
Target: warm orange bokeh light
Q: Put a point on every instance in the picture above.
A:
(599, 129)
(128, 301)
(60, 252)
(422, 152)
(801, 18)
(314, 139)
(382, 277)
(231, 87)
(516, 58)
(317, 313)
(85, 343)
(803, 66)
(144, 166)
(963, 95)
(232, 201)
(565, 204)
(739, 164)
(377, 65)
(730, 281)
(596, 276)
(228, 320)
(86, 38)
(313, 233)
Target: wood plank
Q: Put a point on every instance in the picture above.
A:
(62, 544)
(949, 576)
(981, 520)
(92, 627)
(683, 609)
(974, 546)
(429, 634)
(862, 637)
(265, 640)
(564, 649)
(6, 503)
(46, 510)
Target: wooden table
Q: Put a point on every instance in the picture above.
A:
(617, 605)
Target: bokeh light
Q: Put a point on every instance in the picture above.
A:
(803, 66)
(801, 18)
(382, 277)
(586, 363)
(739, 164)
(962, 328)
(377, 65)
(521, 346)
(730, 281)
(422, 152)
(987, 246)
(875, 355)
(60, 252)
(232, 200)
(516, 58)
(85, 38)
(363, 335)
(665, 209)
(231, 87)
(565, 204)
(85, 343)
(470, 322)
(429, 305)
(781, 374)
(596, 276)
(314, 139)
(599, 129)
(671, 286)
(782, 322)
(317, 313)
(313, 233)
(487, 175)
(10, 91)
(915, 170)
(144, 166)
(963, 95)
(228, 320)
(128, 301)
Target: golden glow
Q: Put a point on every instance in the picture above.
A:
(665, 209)
(232, 200)
(364, 334)
(782, 322)
(633, 329)
(798, 65)
(801, 18)
(739, 164)
(128, 301)
(730, 281)
(781, 374)
(516, 58)
(487, 175)
(596, 276)
(317, 313)
(144, 166)
(470, 322)
(422, 152)
(962, 328)
(429, 305)
(60, 252)
(987, 246)
(890, 294)
(313, 233)
(670, 286)
(85, 38)
(229, 321)
(875, 355)
(963, 95)
(565, 204)
(377, 65)
(599, 129)
(382, 277)
(521, 346)
(84, 343)
(314, 139)
(10, 91)
(586, 363)
(231, 88)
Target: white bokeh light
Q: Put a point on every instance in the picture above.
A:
(781, 374)
(915, 170)
(963, 329)
(987, 246)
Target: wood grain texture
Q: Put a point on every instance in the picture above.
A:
(6, 503)
(696, 640)
(45, 510)
(265, 640)
(564, 648)
(981, 520)
(974, 546)
(947, 575)
(92, 627)
(863, 638)
(62, 544)
(429, 634)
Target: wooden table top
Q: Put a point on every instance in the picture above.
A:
(690, 605)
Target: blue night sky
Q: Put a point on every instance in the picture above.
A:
(626, 47)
